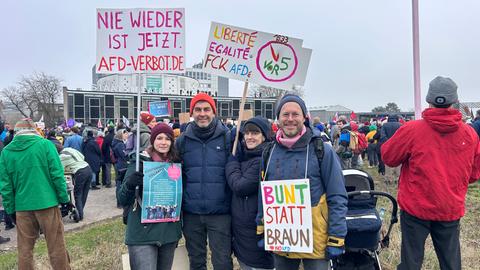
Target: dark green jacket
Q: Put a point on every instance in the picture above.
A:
(145, 234)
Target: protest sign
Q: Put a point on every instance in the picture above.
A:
(183, 118)
(159, 108)
(258, 57)
(287, 215)
(140, 40)
(162, 192)
(247, 114)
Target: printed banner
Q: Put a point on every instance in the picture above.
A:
(159, 108)
(287, 215)
(162, 192)
(140, 40)
(154, 84)
(258, 57)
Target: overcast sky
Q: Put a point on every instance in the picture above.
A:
(362, 50)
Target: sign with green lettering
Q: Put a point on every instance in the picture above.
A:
(287, 215)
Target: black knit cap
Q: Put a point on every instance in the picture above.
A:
(291, 98)
(262, 123)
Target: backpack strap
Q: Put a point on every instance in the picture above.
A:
(319, 149)
(266, 159)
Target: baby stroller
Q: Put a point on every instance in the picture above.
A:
(73, 212)
(364, 223)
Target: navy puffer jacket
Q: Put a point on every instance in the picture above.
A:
(244, 178)
(206, 191)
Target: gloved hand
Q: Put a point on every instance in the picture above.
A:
(333, 252)
(13, 217)
(261, 243)
(136, 179)
(68, 206)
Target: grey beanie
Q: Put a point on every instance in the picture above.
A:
(442, 92)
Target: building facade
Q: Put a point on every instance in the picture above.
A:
(193, 81)
(88, 106)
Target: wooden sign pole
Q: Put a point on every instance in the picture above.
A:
(240, 116)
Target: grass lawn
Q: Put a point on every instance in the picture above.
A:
(97, 247)
(469, 233)
(100, 246)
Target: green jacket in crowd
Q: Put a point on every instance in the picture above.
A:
(31, 175)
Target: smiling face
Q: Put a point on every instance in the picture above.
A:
(291, 119)
(253, 136)
(162, 143)
(203, 114)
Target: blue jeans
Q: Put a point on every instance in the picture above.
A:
(196, 229)
(152, 257)
(284, 263)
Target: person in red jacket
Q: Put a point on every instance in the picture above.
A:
(440, 156)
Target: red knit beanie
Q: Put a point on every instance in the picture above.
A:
(161, 128)
(203, 97)
(146, 117)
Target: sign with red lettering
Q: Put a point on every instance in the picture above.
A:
(287, 215)
(140, 40)
(263, 58)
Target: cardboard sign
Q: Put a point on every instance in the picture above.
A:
(183, 118)
(258, 57)
(160, 108)
(247, 114)
(140, 40)
(287, 215)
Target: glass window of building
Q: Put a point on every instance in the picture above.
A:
(79, 111)
(176, 108)
(224, 109)
(268, 110)
(94, 109)
(123, 107)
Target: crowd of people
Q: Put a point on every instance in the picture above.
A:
(222, 205)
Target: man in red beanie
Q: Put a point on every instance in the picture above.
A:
(204, 149)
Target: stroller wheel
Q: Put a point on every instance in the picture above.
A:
(75, 216)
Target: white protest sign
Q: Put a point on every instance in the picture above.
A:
(257, 57)
(287, 215)
(140, 40)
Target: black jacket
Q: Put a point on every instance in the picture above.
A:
(243, 178)
(388, 129)
(91, 151)
(106, 146)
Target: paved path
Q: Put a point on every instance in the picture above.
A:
(101, 205)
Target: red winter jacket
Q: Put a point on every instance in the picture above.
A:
(440, 156)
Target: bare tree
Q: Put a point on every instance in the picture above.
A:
(21, 100)
(35, 94)
(270, 92)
